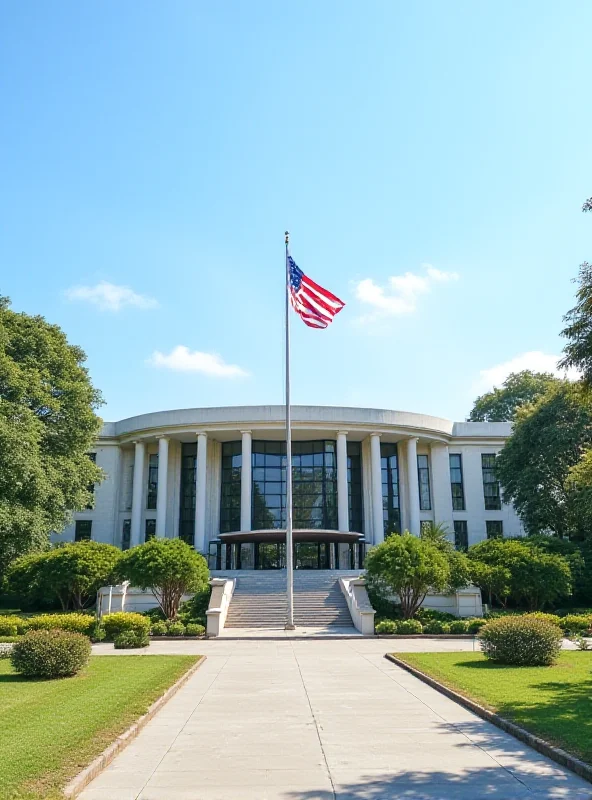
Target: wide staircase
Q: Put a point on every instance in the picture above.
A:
(259, 600)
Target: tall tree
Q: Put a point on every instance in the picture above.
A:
(534, 466)
(47, 425)
(519, 389)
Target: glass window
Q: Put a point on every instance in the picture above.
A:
(314, 485)
(354, 486)
(82, 530)
(423, 474)
(126, 534)
(491, 489)
(456, 482)
(152, 481)
(391, 513)
(150, 532)
(461, 534)
(91, 486)
(230, 497)
(494, 528)
(187, 505)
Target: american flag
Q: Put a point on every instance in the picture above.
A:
(315, 305)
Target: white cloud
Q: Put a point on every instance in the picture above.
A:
(402, 292)
(534, 360)
(110, 297)
(182, 359)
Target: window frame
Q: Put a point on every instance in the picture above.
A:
(461, 529)
(78, 525)
(424, 471)
(488, 525)
(492, 502)
(152, 487)
(459, 500)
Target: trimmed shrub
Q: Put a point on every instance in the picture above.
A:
(194, 629)
(75, 623)
(576, 623)
(159, 629)
(428, 614)
(521, 641)
(50, 654)
(8, 628)
(407, 627)
(176, 629)
(128, 640)
(552, 618)
(11, 621)
(386, 626)
(459, 626)
(435, 627)
(9, 639)
(122, 621)
(474, 625)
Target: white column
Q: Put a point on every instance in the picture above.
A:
(441, 491)
(137, 494)
(413, 486)
(245, 514)
(342, 493)
(200, 492)
(161, 488)
(377, 518)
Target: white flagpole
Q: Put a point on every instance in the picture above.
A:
(289, 546)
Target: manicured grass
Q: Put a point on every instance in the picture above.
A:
(552, 702)
(51, 729)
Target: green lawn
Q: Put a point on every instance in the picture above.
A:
(552, 702)
(50, 729)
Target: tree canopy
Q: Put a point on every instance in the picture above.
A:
(47, 426)
(519, 389)
(534, 466)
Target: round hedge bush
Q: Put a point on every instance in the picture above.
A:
(459, 626)
(122, 621)
(176, 629)
(194, 629)
(50, 654)
(435, 627)
(75, 623)
(576, 623)
(474, 625)
(386, 626)
(159, 629)
(128, 640)
(554, 619)
(409, 626)
(521, 641)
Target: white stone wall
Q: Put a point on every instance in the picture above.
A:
(437, 438)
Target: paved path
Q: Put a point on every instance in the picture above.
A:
(319, 720)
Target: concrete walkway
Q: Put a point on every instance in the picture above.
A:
(319, 720)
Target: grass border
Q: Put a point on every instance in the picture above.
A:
(98, 764)
(557, 754)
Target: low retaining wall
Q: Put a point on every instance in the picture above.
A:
(358, 603)
(222, 591)
(124, 597)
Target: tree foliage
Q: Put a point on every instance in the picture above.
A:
(169, 568)
(47, 425)
(409, 567)
(72, 572)
(578, 328)
(534, 466)
(512, 569)
(519, 389)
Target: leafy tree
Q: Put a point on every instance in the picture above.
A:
(438, 534)
(534, 466)
(72, 572)
(409, 567)
(523, 573)
(578, 328)
(519, 389)
(578, 555)
(170, 568)
(47, 425)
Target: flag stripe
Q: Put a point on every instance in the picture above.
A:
(315, 306)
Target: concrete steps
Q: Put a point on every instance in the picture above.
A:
(259, 600)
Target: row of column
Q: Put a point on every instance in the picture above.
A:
(440, 473)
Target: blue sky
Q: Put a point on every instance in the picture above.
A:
(430, 160)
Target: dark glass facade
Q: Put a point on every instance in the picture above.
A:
(391, 509)
(491, 489)
(461, 534)
(456, 482)
(82, 530)
(494, 528)
(423, 475)
(354, 487)
(231, 487)
(152, 481)
(187, 506)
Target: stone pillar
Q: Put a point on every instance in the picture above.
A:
(137, 494)
(377, 518)
(162, 487)
(200, 491)
(342, 493)
(245, 506)
(441, 491)
(413, 486)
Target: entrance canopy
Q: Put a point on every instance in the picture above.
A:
(300, 535)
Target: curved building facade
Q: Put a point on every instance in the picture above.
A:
(215, 477)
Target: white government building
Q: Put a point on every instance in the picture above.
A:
(216, 478)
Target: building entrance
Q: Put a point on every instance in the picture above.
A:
(272, 555)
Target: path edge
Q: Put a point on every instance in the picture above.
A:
(98, 764)
(561, 757)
